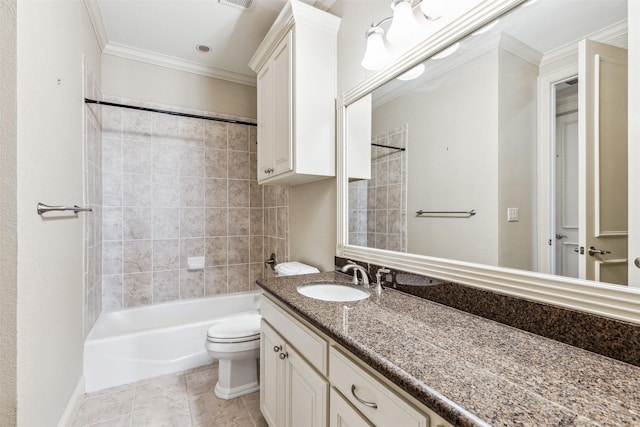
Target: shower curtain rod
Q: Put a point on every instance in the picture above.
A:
(173, 113)
(388, 146)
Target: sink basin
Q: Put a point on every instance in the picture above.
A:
(332, 292)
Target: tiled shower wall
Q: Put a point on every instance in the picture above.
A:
(92, 185)
(378, 207)
(177, 187)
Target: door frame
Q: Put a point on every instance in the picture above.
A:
(546, 162)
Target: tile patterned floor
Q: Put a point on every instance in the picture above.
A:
(184, 399)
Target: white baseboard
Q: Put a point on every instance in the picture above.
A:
(74, 405)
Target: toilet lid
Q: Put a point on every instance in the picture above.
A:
(242, 326)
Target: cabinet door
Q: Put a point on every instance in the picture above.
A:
(341, 414)
(306, 393)
(282, 82)
(271, 375)
(265, 121)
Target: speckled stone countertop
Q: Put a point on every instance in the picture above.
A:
(471, 370)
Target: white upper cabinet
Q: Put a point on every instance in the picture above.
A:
(296, 67)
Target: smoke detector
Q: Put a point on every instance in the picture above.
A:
(238, 4)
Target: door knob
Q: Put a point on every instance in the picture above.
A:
(560, 236)
(593, 251)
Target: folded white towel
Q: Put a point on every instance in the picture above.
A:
(294, 268)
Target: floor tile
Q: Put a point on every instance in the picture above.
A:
(184, 399)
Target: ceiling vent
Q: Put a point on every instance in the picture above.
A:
(238, 4)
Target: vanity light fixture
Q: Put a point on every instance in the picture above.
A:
(413, 73)
(446, 52)
(404, 26)
(402, 33)
(376, 55)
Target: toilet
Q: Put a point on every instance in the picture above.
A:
(235, 343)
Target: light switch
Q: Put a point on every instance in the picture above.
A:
(513, 215)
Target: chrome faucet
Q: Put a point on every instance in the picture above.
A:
(363, 273)
(379, 274)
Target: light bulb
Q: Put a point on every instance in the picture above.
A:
(404, 26)
(446, 52)
(433, 9)
(376, 55)
(413, 73)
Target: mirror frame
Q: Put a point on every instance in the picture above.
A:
(614, 301)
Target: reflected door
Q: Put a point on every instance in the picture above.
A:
(603, 162)
(567, 208)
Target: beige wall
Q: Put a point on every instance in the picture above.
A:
(8, 243)
(52, 38)
(312, 207)
(312, 223)
(126, 78)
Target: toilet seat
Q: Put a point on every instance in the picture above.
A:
(238, 329)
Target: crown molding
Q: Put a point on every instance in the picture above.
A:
(148, 57)
(128, 52)
(615, 35)
(95, 16)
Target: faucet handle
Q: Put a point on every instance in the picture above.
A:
(379, 274)
(381, 271)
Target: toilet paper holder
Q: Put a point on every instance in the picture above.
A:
(272, 261)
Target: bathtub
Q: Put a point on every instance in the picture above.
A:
(133, 344)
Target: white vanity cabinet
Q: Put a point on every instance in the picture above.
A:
(294, 390)
(296, 68)
(306, 379)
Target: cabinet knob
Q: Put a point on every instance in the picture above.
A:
(277, 348)
(284, 355)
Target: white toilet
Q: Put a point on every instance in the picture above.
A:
(235, 343)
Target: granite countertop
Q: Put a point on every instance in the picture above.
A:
(470, 370)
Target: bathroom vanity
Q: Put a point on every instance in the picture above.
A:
(305, 376)
(430, 364)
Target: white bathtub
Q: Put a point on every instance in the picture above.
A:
(133, 344)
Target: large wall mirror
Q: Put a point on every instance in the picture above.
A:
(504, 162)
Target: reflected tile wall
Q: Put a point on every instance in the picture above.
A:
(178, 187)
(377, 207)
(92, 185)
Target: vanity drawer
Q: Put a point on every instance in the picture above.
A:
(364, 392)
(311, 346)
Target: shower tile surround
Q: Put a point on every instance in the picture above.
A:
(377, 207)
(176, 187)
(609, 337)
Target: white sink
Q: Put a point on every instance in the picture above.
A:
(332, 292)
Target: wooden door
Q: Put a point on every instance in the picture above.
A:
(566, 192)
(603, 162)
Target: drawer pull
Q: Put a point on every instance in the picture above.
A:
(364, 402)
(277, 348)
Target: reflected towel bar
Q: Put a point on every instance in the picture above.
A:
(42, 208)
(467, 214)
